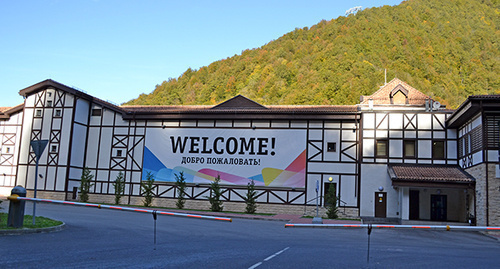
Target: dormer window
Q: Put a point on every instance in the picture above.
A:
(399, 96)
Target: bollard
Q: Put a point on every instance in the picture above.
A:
(16, 208)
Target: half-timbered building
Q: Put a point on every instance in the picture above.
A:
(398, 155)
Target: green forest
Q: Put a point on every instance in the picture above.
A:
(446, 49)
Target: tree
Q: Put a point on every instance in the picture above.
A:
(215, 194)
(119, 186)
(85, 184)
(147, 188)
(331, 202)
(180, 181)
(250, 199)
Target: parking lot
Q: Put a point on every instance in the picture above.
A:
(109, 239)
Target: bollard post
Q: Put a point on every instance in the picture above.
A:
(16, 208)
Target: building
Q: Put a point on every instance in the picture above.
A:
(398, 155)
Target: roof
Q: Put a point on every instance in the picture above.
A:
(384, 95)
(5, 112)
(267, 112)
(239, 102)
(470, 107)
(49, 83)
(419, 175)
(240, 107)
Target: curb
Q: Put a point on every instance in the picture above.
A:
(33, 231)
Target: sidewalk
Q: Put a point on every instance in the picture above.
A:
(290, 218)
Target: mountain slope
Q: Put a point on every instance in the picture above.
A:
(446, 49)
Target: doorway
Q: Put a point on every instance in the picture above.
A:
(438, 207)
(414, 205)
(380, 205)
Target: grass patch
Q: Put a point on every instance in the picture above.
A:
(40, 222)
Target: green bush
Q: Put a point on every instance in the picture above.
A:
(85, 184)
(119, 186)
(250, 199)
(147, 188)
(180, 181)
(331, 201)
(215, 194)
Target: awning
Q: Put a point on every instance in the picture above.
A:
(431, 176)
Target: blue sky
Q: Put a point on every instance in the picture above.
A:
(118, 49)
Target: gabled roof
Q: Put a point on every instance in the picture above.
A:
(239, 102)
(5, 112)
(420, 175)
(49, 83)
(385, 93)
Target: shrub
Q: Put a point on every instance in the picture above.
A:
(147, 188)
(85, 184)
(215, 194)
(119, 186)
(251, 198)
(180, 181)
(331, 201)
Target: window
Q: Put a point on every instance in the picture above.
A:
(49, 94)
(38, 113)
(409, 149)
(331, 147)
(53, 148)
(382, 150)
(58, 113)
(438, 149)
(119, 153)
(96, 112)
(49, 103)
(7, 150)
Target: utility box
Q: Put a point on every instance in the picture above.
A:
(16, 208)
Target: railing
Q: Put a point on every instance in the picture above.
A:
(130, 209)
(321, 197)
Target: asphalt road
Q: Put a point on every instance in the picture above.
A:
(99, 238)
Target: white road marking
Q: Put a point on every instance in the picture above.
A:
(255, 265)
(268, 258)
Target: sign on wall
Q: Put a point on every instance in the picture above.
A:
(269, 157)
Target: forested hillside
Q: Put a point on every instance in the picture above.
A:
(446, 49)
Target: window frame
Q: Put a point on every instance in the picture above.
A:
(96, 112)
(331, 147)
(434, 152)
(407, 141)
(386, 153)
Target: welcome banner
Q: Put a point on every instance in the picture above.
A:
(269, 157)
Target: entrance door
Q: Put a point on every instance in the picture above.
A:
(380, 205)
(414, 204)
(438, 207)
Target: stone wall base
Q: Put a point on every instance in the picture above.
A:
(202, 204)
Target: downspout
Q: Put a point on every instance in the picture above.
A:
(485, 156)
